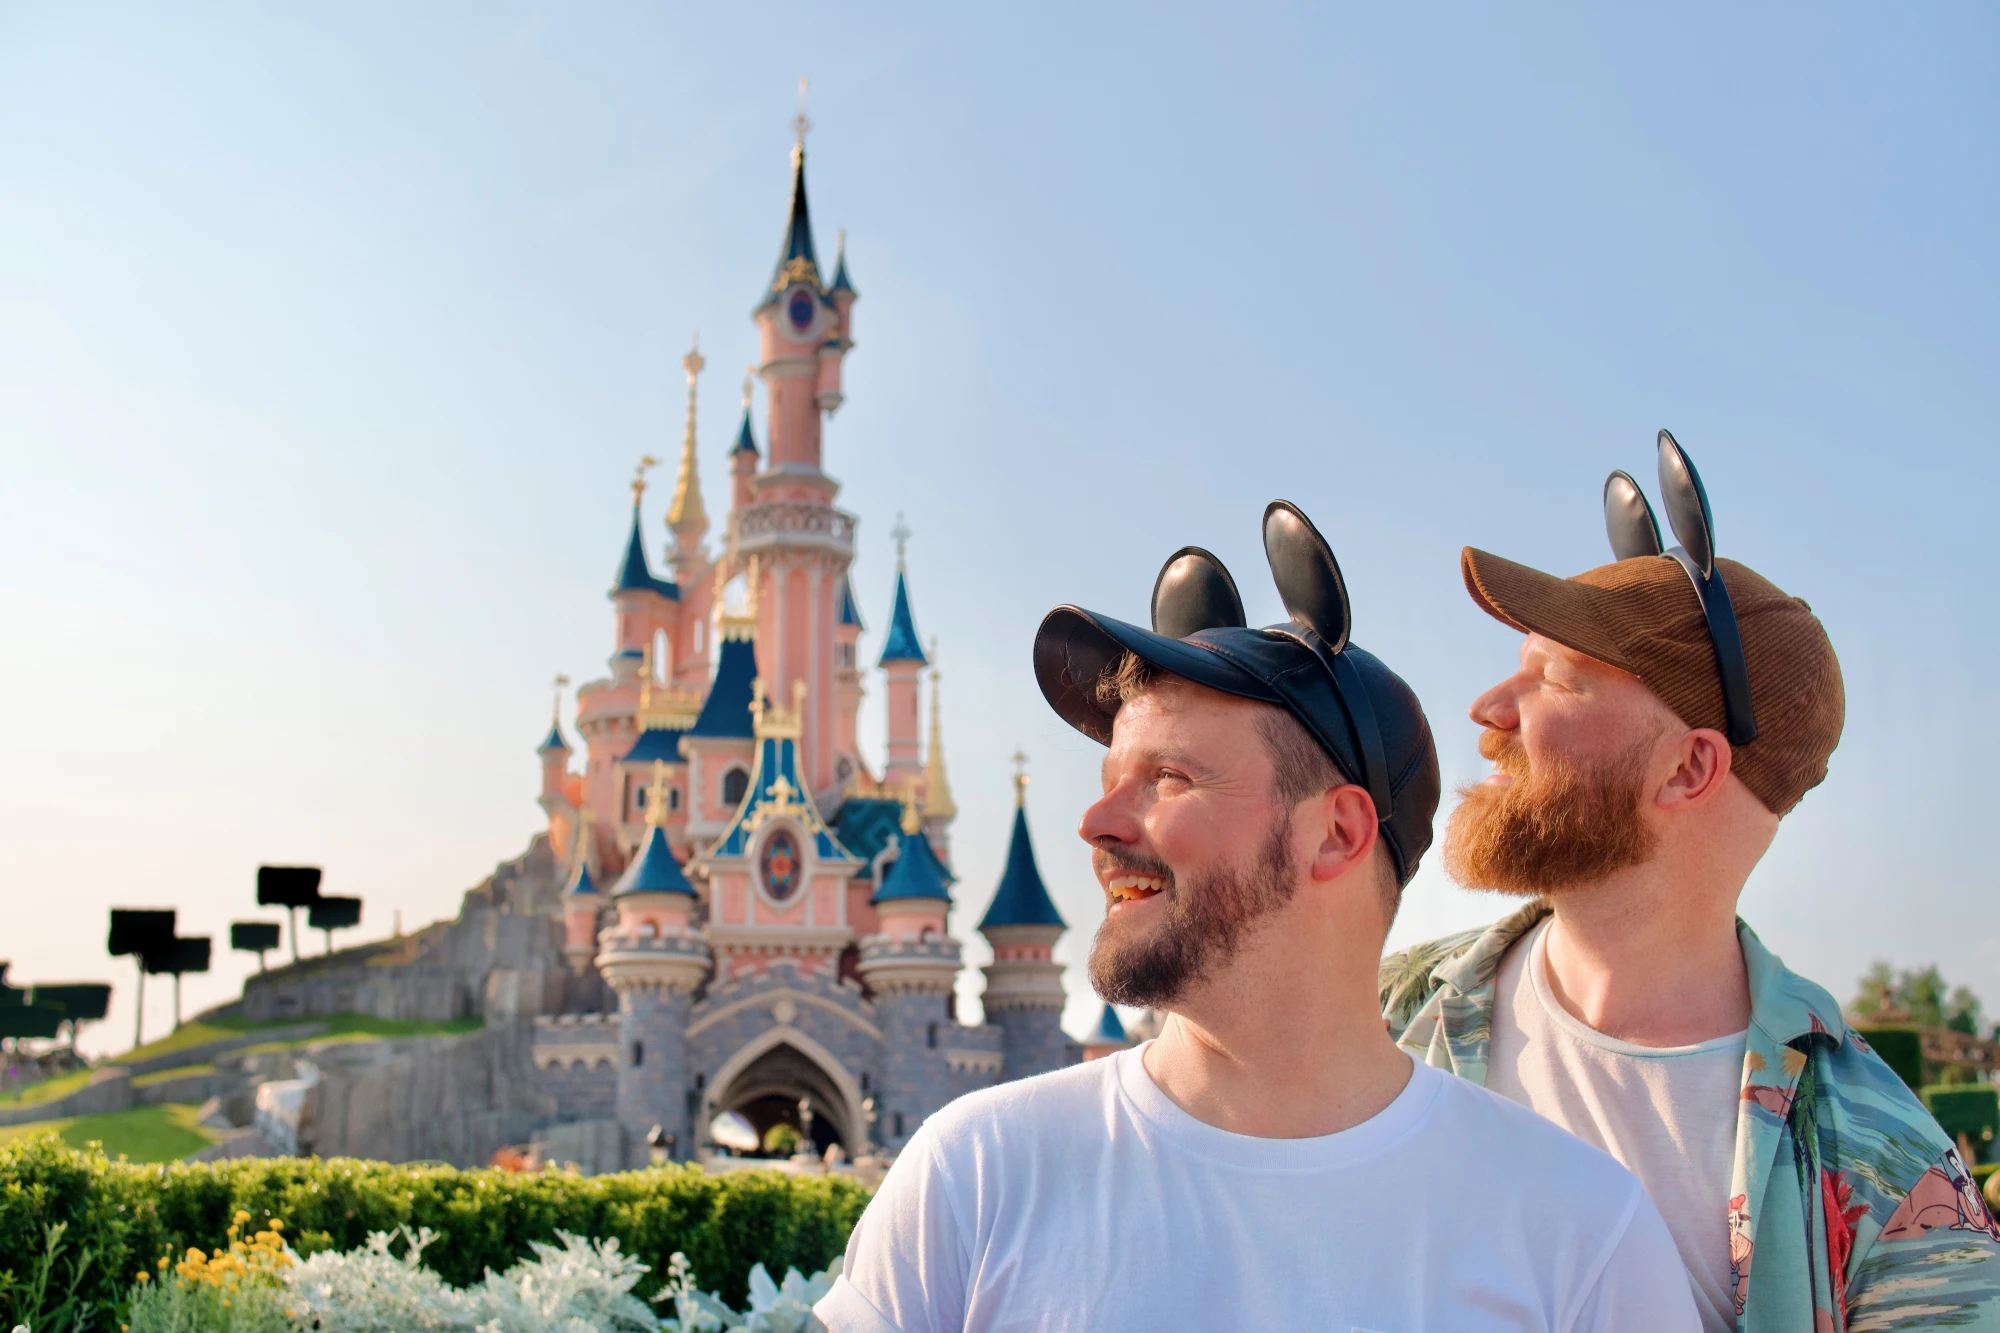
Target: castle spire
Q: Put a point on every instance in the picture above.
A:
(937, 788)
(796, 260)
(555, 739)
(901, 643)
(841, 282)
(1021, 898)
(685, 515)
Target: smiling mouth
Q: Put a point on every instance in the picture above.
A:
(1133, 888)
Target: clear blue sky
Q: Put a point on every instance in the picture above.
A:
(329, 335)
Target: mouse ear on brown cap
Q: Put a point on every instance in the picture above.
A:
(1308, 577)
(1687, 504)
(1628, 519)
(1193, 593)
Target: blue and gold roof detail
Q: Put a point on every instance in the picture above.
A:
(728, 710)
(776, 790)
(746, 439)
(798, 261)
(850, 610)
(635, 575)
(656, 745)
(582, 885)
(902, 645)
(917, 872)
(1108, 1032)
(665, 714)
(841, 282)
(1022, 899)
(654, 869)
(867, 824)
(555, 740)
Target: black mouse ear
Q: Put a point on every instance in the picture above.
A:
(1193, 593)
(1687, 504)
(1628, 519)
(1308, 577)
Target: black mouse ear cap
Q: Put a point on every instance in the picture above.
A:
(1193, 593)
(1687, 504)
(1628, 519)
(1308, 577)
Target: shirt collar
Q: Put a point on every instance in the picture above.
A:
(1783, 1005)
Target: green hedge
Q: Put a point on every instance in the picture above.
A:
(1901, 1047)
(127, 1215)
(1971, 1109)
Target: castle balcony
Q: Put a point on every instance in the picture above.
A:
(1023, 984)
(672, 961)
(793, 523)
(902, 964)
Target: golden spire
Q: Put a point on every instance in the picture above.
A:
(937, 788)
(656, 796)
(561, 684)
(1020, 778)
(685, 511)
(580, 851)
(912, 821)
(800, 125)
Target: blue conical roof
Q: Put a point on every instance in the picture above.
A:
(746, 439)
(555, 740)
(902, 644)
(655, 743)
(583, 886)
(1108, 1032)
(654, 869)
(917, 873)
(726, 711)
(798, 230)
(840, 279)
(1021, 899)
(635, 575)
(850, 610)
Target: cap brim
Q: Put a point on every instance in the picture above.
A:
(1074, 649)
(1571, 613)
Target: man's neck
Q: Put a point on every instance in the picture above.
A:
(1649, 961)
(1278, 1060)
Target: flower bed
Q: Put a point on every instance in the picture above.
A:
(120, 1218)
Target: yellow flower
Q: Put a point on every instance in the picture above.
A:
(241, 1217)
(144, 1276)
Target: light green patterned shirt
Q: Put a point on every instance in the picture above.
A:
(1849, 1209)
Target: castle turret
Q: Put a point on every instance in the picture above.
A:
(743, 456)
(555, 753)
(910, 965)
(581, 903)
(847, 627)
(654, 962)
(915, 894)
(902, 662)
(1107, 1037)
(1024, 991)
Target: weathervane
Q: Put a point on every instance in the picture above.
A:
(901, 532)
(1020, 777)
(800, 125)
(646, 463)
(692, 363)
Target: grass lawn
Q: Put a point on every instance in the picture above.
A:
(162, 1133)
(201, 1030)
(48, 1090)
(163, 1075)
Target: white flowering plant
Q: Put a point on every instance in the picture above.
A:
(578, 1286)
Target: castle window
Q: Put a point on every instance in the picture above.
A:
(864, 1080)
(700, 1082)
(734, 783)
(930, 1039)
(899, 1124)
(661, 657)
(638, 1054)
(673, 798)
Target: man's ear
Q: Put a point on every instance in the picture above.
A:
(1702, 759)
(1348, 834)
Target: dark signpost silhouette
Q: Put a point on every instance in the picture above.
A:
(176, 957)
(331, 914)
(140, 933)
(78, 1002)
(289, 887)
(254, 937)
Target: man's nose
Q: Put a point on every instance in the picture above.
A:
(1498, 708)
(1113, 817)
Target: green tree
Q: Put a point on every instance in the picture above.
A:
(1876, 993)
(1961, 1010)
(1920, 993)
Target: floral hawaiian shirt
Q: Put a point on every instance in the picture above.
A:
(1849, 1209)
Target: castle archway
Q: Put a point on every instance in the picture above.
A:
(765, 1080)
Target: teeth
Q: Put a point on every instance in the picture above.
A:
(1123, 887)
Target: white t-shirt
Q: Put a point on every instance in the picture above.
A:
(1087, 1200)
(1667, 1112)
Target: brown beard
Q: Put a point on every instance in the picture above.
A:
(1558, 825)
(1204, 927)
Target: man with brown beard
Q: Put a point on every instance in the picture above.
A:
(1669, 710)
(1271, 1161)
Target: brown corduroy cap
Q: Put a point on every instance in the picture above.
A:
(1642, 616)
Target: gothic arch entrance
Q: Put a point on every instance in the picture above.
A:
(765, 1080)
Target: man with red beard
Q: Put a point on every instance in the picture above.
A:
(1271, 1161)
(1626, 1001)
